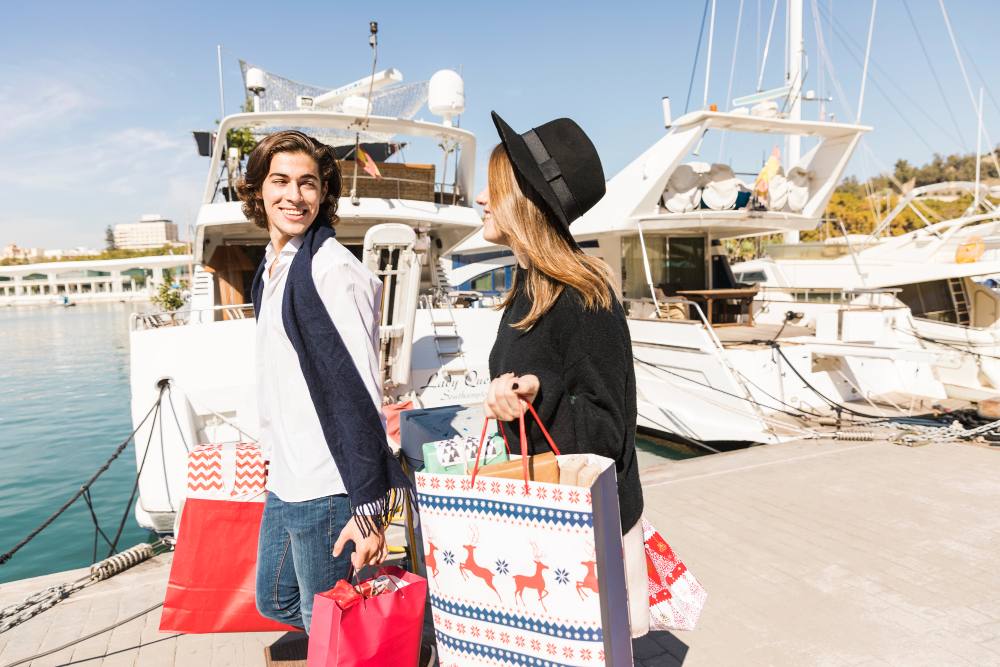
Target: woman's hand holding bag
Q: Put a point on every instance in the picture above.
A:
(508, 395)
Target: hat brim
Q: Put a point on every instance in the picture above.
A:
(529, 173)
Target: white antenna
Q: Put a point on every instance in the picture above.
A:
(222, 92)
(372, 42)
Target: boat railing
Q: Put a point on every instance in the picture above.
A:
(165, 318)
(848, 297)
(718, 351)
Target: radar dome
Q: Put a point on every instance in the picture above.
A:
(256, 80)
(446, 94)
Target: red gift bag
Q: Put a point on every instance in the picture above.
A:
(676, 597)
(350, 628)
(213, 576)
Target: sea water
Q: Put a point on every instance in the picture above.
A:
(64, 408)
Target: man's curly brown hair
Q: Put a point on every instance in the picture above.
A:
(259, 164)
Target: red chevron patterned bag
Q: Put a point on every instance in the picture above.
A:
(212, 577)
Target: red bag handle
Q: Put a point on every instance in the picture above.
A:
(524, 441)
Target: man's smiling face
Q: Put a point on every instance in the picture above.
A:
(292, 193)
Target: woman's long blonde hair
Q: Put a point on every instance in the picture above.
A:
(553, 263)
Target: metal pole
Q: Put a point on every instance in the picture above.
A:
(868, 52)
(979, 149)
(708, 64)
(645, 266)
(795, 53)
(222, 93)
(767, 47)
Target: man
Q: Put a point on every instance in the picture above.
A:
(332, 480)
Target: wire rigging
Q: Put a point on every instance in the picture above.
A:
(982, 79)
(848, 41)
(930, 66)
(732, 73)
(767, 47)
(697, 55)
(965, 77)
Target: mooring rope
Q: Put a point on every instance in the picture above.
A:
(84, 490)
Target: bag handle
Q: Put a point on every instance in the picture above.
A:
(353, 575)
(524, 441)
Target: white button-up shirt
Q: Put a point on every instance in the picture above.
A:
(301, 466)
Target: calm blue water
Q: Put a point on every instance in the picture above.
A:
(64, 407)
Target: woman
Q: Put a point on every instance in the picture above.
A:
(563, 343)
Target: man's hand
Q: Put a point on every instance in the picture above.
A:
(506, 393)
(371, 550)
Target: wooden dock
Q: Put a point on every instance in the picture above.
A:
(814, 552)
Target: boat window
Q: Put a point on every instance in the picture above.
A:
(675, 263)
(930, 300)
(483, 283)
(753, 277)
(495, 281)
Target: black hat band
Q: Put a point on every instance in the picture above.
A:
(552, 174)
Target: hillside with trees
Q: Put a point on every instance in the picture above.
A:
(857, 204)
(860, 204)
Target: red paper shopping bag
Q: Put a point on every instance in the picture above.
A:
(351, 629)
(213, 576)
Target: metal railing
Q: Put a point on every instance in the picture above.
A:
(164, 318)
(844, 296)
(718, 350)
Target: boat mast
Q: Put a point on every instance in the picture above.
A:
(794, 56)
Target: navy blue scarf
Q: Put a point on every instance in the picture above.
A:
(376, 483)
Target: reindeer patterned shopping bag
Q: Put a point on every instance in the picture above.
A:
(525, 573)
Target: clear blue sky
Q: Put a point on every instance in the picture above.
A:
(97, 100)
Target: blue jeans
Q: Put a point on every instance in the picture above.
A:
(294, 555)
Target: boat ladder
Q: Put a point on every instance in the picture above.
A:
(448, 342)
(956, 286)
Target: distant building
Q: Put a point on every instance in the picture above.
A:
(152, 231)
(12, 251)
(71, 253)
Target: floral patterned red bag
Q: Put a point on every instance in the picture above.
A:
(676, 597)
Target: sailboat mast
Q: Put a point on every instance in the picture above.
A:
(794, 57)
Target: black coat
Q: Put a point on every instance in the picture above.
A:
(583, 360)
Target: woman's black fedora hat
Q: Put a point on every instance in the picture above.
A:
(557, 162)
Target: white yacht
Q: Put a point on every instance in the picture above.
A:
(706, 368)
(399, 223)
(933, 270)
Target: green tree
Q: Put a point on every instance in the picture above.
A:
(168, 297)
(109, 238)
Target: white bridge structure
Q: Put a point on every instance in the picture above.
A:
(133, 278)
